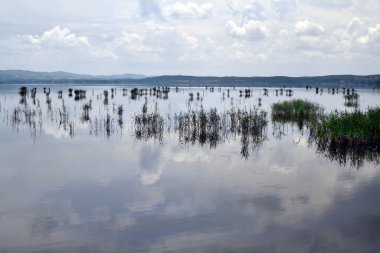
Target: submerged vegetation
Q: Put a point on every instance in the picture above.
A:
(349, 137)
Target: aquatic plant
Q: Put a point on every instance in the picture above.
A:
(134, 93)
(348, 137)
(355, 126)
(79, 95)
(120, 111)
(23, 91)
(351, 100)
(149, 125)
(297, 111)
(86, 111)
(211, 127)
(105, 101)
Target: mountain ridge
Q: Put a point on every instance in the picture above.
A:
(61, 77)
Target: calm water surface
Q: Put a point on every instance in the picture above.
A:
(84, 180)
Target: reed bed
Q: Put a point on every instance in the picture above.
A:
(149, 125)
(211, 127)
(296, 111)
(356, 126)
(349, 137)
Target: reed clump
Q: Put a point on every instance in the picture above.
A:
(296, 111)
(349, 137)
(149, 125)
(212, 127)
(357, 126)
(351, 100)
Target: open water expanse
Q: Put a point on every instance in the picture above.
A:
(111, 169)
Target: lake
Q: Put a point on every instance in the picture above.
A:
(112, 169)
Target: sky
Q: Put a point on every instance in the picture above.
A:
(215, 37)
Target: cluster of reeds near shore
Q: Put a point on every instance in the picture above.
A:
(343, 136)
(356, 126)
(349, 137)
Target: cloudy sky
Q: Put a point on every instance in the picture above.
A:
(215, 37)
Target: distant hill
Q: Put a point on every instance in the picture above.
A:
(30, 77)
(24, 76)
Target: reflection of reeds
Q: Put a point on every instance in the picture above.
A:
(212, 127)
(355, 126)
(348, 137)
(351, 100)
(199, 127)
(120, 111)
(149, 125)
(31, 117)
(79, 95)
(23, 91)
(86, 111)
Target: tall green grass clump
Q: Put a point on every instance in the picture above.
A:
(296, 111)
(349, 136)
(355, 126)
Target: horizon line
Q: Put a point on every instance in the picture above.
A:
(185, 75)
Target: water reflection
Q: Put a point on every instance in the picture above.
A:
(193, 126)
(343, 151)
(166, 175)
(311, 121)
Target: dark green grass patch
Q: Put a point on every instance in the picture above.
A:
(297, 111)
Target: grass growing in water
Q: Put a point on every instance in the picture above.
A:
(349, 137)
(213, 127)
(356, 126)
(351, 100)
(296, 111)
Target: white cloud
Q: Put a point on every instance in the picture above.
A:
(373, 36)
(150, 177)
(57, 37)
(156, 43)
(251, 30)
(233, 6)
(355, 27)
(62, 41)
(308, 28)
(188, 10)
(284, 8)
(169, 36)
(254, 11)
(332, 3)
(150, 8)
